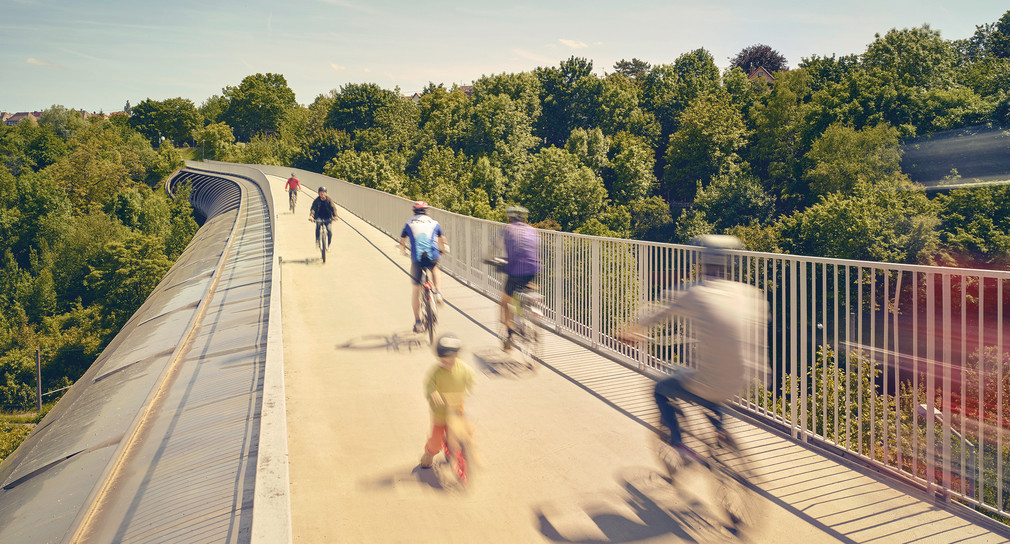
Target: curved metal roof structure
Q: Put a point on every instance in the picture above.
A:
(176, 432)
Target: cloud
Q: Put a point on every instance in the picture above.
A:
(37, 62)
(336, 67)
(573, 44)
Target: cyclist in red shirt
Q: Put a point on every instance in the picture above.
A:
(292, 187)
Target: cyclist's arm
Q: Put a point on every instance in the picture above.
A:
(441, 243)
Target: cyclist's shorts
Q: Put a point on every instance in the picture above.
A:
(517, 283)
(415, 267)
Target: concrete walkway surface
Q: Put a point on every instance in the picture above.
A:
(568, 451)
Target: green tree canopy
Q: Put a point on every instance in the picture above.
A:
(257, 105)
(562, 189)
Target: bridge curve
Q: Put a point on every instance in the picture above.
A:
(181, 437)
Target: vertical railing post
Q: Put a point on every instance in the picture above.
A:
(559, 284)
(596, 295)
(38, 379)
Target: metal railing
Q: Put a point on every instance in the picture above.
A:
(903, 367)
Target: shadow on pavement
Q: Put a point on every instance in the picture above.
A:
(647, 507)
(495, 362)
(398, 340)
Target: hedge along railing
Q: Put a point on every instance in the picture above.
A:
(901, 366)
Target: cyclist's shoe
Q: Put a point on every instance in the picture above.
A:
(426, 461)
(507, 342)
(438, 298)
(418, 326)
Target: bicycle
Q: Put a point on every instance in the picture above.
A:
(429, 308)
(458, 446)
(292, 199)
(526, 307)
(713, 448)
(324, 238)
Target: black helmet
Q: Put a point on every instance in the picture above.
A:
(448, 344)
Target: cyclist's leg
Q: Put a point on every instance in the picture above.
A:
(329, 233)
(415, 292)
(317, 233)
(666, 390)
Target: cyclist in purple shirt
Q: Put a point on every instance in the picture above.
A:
(522, 249)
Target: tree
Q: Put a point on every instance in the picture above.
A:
(712, 133)
(174, 119)
(590, 146)
(374, 170)
(630, 176)
(213, 109)
(356, 106)
(882, 223)
(62, 121)
(125, 273)
(999, 40)
(975, 226)
(918, 57)
(214, 139)
(634, 69)
(568, 95)
(561, 189)
(759, 56)
(843, 157)
(257, 105)
(727, 202)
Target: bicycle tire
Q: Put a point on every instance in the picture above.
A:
(292, 200)
(429, 310)
(734, 493)
(323, 241)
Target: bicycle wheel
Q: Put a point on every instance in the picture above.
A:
(323, 241)
(429, 312)
(457, 433)
(734, 492)
(292, 199)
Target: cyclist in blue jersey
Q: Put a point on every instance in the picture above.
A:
(522, 249)
(427, 243)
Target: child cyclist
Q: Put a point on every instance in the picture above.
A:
(448, 383)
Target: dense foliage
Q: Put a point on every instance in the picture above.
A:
(666, 151)
(84, 238)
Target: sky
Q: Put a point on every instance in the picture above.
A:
(98, 54)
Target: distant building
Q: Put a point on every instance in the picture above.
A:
(12, 119)
(760, 73)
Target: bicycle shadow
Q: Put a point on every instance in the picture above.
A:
(306, 261)
(496, 362)
(396, 341)
(439, 477)
(647, 506)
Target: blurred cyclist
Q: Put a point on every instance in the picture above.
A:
(729, 320)
(522, 249)
(427, 242)
(324, 209)
(292, 187)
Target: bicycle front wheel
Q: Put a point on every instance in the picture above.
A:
(734, 492)
(323, 242)
(430, 317)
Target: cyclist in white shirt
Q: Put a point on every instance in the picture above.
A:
(427, 242)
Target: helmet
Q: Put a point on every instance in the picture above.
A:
(517, 212)
(321, 190)
(420, 206)
(448, 344)
(715, 250)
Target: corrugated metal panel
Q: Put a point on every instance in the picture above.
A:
(157, 442)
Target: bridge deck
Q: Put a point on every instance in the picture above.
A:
(567, 450)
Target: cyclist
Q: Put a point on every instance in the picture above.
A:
(522, 249)
(324, 209)
(729, 319)
(449, 377)
(292, 187)
(427, 242)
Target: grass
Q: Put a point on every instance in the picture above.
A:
(15, 427)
